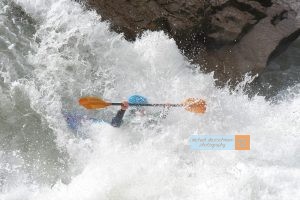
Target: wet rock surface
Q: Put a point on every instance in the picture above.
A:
(280, 74)
(230, 37)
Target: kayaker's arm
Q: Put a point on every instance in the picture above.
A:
(118, 119)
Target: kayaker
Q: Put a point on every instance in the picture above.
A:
(136, 111)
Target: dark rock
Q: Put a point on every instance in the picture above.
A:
(281, 73)
(230, 37)
(227, 25)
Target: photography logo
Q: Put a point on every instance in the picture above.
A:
(242, 142)
(219, 142)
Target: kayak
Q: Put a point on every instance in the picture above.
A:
(76, 120)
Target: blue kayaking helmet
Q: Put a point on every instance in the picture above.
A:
(136, 99)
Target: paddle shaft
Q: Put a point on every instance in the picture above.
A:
(190, 104)
(149, 104)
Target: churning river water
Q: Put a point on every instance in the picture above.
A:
(52, 52)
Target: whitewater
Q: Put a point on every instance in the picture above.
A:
(52, 52)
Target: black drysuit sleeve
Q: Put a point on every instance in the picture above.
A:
(117, 120)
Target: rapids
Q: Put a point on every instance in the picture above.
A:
(52, 52)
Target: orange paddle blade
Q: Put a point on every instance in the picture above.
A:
(93, 103)
(195, 105)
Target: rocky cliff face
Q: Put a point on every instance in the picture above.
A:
(230, 37)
